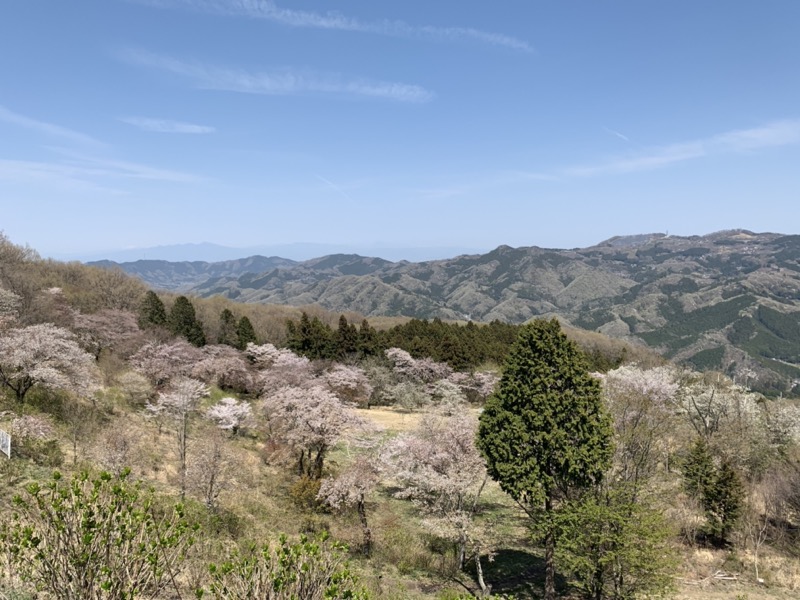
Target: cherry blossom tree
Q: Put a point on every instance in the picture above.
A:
(278, 367)
(160, 362)
(44, 355)
(349, 383)
(424, 370)
(441, 470)
(476, 386)
(224, 367)
(309, 422)
(351, 489)
(231, 414)
(178, 404)
(107, 330)
(10, 304)
(641, 402)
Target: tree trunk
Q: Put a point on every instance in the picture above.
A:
(182, 439)
(362, 516)
(549, 551)
(486, 591)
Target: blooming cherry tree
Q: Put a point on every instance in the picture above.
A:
(178, 404)
(309, 421)
(440, 469)
(231, 414)
(44, 355)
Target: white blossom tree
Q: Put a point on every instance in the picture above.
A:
(423, 370)
(10, 304)
(440, 469)
(108, 330)
(160, 362)
(178, 404)
(47, 356)
(351, 488)
(224, 367)
(349, 383)
(308, 422)
(641, 402)
(231, 414)
(278, 368)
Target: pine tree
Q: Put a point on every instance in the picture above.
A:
(545, 432)
(151, 311)
(245, 334)
(183, 321)
(227, 329)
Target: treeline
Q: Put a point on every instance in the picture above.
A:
(462, 347)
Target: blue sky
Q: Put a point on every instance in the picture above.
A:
(136, 123)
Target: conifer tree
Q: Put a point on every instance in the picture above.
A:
(368, 344)
(544, 432)
(151, 311)
(183, 321)
(245, 334)
(346, 338)
(310, 338)
(227, 329)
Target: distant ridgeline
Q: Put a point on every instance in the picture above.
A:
(728, 300)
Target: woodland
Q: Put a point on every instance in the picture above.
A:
(168, 446)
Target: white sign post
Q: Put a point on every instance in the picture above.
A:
(5, 443)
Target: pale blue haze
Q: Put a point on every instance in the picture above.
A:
(356, 123)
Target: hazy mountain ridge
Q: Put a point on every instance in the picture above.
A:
(184, 275)
(711, 299)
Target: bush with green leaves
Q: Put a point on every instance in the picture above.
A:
(614, 546)
(308, 569)
(95, 537)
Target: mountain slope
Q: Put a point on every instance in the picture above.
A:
(725, 300)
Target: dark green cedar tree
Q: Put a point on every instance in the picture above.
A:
(227, 329)
(245, 334)
(183, 321)
(544, 432)
(151, 311)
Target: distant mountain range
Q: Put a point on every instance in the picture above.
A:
(728, 300)
(301, 251)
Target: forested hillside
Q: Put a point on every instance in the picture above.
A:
(206, 448)
(727, 301)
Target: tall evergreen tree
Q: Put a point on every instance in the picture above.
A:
(227, 329)
(368, 343)
(544, 432)
(151, 311)
(245, 334)
(346, 338)
(183, 321)
(310, 338)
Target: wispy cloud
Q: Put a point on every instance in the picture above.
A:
(333, 186)
(269, 10)
(49, 129)
(279, 82)
(166, 125)
(617, 134)
(60, 176)
(87, 173)
(776, 133)
(123, 169)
